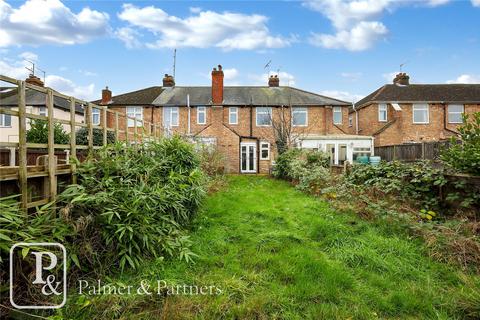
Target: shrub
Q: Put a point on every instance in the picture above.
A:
(465, 157)
(212, 161)
(139, 200)
(82, 136)
(282, 163)
(38, 132)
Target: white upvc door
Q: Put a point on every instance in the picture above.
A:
(248, 157)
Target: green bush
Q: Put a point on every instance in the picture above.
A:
(212, 161)
(465, 157)
(82, 137)
(38, 132)
(139, 200)
(282, 163)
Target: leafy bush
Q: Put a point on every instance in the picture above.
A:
(212, 161)
(82, 137)
(38, 132)
(282, 163)
(465, 157)
(138, 200)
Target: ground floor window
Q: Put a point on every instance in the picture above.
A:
(264, 151)
(5, 120)
(359, 152)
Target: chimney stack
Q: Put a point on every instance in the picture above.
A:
(217, 86)
(274, 81)
(168, 81)
(34, 80)
(402, 79)
(106, 96)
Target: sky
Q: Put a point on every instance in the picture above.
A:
(343, 49)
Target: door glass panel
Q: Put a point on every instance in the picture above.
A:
(251, 158)
(342, 153)
(244, 158)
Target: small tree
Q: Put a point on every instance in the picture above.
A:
(82, 137)
(465, 157)
(38, 132)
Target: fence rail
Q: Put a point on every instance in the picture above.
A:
(21, 169)
(412, 151)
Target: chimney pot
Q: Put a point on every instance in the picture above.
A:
(402, 79)
(274, 81)
(32, 79)
(106, 95)
(168, 81)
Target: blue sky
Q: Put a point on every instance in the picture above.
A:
(345, 49)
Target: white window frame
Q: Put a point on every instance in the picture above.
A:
(42, 111)
(2, 120)
(95, 112)
(232, 111)
(350, 120)
(456, 112)
(337, 110)
(135, 112)
(421, 107)
(382, 107)
(268, 111)
(262, 147)
(300, 110)
(172, 111)
(202, 110)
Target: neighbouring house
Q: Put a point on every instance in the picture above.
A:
(401, 112)
(35, 104)
(243, 121)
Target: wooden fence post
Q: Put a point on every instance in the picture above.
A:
(423, 150)
(73, 140)
(90, 128)
(117, 138)
(394, 152)
(104, 124)
(52, 164)
(22, 145)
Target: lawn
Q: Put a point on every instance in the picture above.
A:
(276, 253)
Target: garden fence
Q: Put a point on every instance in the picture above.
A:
(23, 165)
(412, 151)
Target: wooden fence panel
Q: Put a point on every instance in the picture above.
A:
(412, 151)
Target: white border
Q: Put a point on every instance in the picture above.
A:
(40, 244)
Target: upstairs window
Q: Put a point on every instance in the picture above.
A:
(299, 116)
(96, 117)
(133, 112)
(420, 113)
(5, 120)
(233, 115)
(42, 111)
(350, 121)
(337, 115)
(382, 112)
(264, 116)
(264, 151)
(455, 112)
(170, 117)
(201, 115)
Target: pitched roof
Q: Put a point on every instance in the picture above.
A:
(139, 97)
(35, 98)
(245, 95)
(456, 93)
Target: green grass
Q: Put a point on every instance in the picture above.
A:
(279, 254)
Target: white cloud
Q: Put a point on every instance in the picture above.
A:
(204, 29)
(286, 79)
(195, 9)
(356, 21)
(15, 68)
(342, 95)
(361, 37)
(390, 76)
(68, 87)
(476, 3)
(29, 56)
(466, 78)
(49, 21)
(129, 37)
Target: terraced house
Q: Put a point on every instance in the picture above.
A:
(244, 121)
(411, 113)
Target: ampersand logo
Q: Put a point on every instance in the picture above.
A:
(38, 275)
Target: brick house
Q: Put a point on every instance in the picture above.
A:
(410, 113)
(241, 120)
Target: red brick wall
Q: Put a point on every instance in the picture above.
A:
(403, 130)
